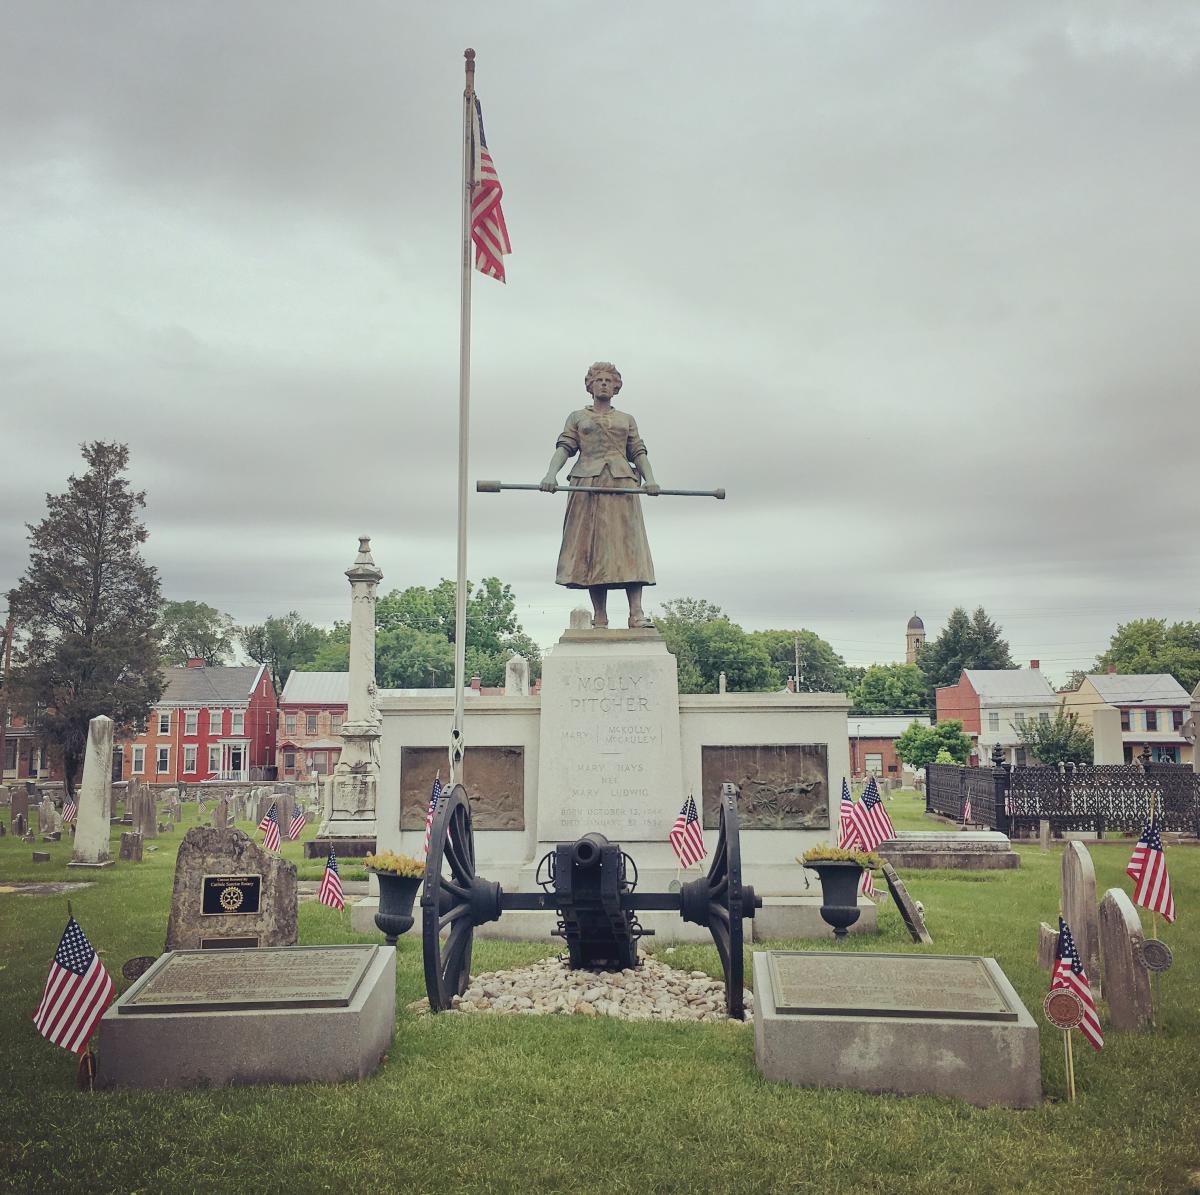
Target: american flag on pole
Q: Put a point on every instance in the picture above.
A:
(687, 836)
(70, 810)
(848, 838)
(488, 229)
(296, 825)
(1148, 869)
(966, 809)
(870, 817)
(433, 801)
(1069, 974)
(78, 990)
(270, 826)
(330, 892)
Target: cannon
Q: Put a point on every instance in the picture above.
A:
(592, 885)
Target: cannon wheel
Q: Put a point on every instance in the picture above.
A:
(447, 906)
(726, 904)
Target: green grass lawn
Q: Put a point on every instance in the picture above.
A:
(573, 1104)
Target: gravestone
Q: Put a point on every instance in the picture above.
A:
(20, 825)
(1044, 834)
(48, 820)
(1080, 908)
(41, 856)
(131, 847)
(1047, 947)
(149, 811)
(1126, 980)
(228, 893)
(4, 797)
(19, 804)
(92, 820)
(221, 814)
(914, 920)
(915, 1024)
(3, 829)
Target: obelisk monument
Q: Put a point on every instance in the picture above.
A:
(92, 820)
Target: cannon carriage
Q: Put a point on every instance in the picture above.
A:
(592, 885)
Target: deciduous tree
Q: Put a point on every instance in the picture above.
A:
(194, 631)
(1060, 739)
(822, 670)
(891, 688)
(919, 745)
(283, 644)
(1151, 645)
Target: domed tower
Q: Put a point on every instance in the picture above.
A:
(914, 638)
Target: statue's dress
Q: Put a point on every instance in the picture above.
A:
(604, 539)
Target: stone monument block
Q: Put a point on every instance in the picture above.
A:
(1047, 947)
(95, 798)
(912, 1024)
(1080, 910)
(1126, 980)
(19, 803)
(1108, 742)
(494, 778)
(516, 676)
(779, 787)
(221, 814)
(20, 825)
(131, 847)
(229, 893)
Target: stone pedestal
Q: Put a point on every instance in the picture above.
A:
(609, 756)
(95, 798)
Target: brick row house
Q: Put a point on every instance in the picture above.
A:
(992, 703)
(211, 723)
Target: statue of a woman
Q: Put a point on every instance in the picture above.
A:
(604, 538)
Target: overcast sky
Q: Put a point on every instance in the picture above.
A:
(916, 283)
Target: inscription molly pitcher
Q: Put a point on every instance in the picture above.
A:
(622, 693)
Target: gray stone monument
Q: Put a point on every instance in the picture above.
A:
(220, 818)
(1108, 745)
(95, 798)
(1080, 908)
(48, 818)
(1126, 980)
(516, 676)
(19, 803)
(20, 825)
(1047, 947)
(131, 847)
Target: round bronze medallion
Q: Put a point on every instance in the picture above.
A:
(1063, 1009)
(136, 967)
(231, 899)
(1156, 955)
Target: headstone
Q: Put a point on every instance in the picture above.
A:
(3, 829)
(228, 892)
(47, 816)
(4, 797)
(1047, 947)
(906, 1023)
(1126, 980)
(41, 856)
(221, 814)
(147, 821)
(914, 920)
(131, 847)
(20, 825)
(967, 850)
(1080, 909)
(94, 797)
(516, 676)
(1044, 835)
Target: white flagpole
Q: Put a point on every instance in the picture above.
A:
(464, 412)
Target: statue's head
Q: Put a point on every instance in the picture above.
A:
(602, 367)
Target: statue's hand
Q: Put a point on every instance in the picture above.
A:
(549, 484)
(653, 489)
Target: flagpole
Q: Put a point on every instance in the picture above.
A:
(464, 411)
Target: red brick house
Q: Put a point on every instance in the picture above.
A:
(873, 743)
(25, 754)
(211, 723)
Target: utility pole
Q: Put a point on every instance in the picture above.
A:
(9, 625)
(796, 644)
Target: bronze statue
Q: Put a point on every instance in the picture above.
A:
(604, 542)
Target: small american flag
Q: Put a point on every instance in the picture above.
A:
(488, 229)
(270, 825)
(848, 838)
(70, 810)
(870, 818)
(1148, 869)
(433, 800)
(1069, 974)
(687, 836)
(296, 825)
(78, 990)
(330, 892)
(966, 809)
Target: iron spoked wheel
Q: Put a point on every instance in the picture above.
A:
(725, 903)
(453, 900)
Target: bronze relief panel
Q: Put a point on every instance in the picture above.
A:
(780, 787)
(494, 778)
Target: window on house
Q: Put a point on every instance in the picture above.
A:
(10, 755)
(1152, 719)
(1125, 720)
(164, 721)
(189, 758)
(239, 722)
(993, 721)
(335, 723)
(164, 760)
(310, 723)
(289, 761)
(1018, 718)
(191, 722)
(139, 760)
(289, 724)
(214, 721)
(1043, 716)
(873, 763)
(214, 757)
(1177, 719)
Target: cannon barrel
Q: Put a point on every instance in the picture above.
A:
(586, 850)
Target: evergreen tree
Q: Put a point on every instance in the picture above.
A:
(965, 642)
(87, 610)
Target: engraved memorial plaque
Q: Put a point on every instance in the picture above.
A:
(228, 896)
(494, 778)
(270, 977)
(942, 987)
(779, 787)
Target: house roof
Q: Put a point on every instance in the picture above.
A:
(883, 726)
(1145, 688)
(1010, 684)
(213, 684)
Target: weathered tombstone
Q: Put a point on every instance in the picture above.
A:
(913, 918)
(228, 892)
(47, 816)
(1044, 835)
(516, 676)
(1047, 947)
(20, 825)
(1126, 980)
(41, 856)
(92, 824)
(146, 813)
(1080, 909)
(131, 847)
(221, 814)
(4, 797)
(3, 829)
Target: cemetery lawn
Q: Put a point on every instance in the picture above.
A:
(547, 1104)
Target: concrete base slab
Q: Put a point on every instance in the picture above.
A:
(967, 850)
(262, 1045)
(92, 866)
(984, 1062)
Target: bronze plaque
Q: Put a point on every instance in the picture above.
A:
(926, 986)
(779, 788)
(228, 896)
(270, 977)
(232, 943)
(494, 778)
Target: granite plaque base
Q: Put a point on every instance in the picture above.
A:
(303, 1014)
(913, 1024)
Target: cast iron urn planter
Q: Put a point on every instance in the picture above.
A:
(839, 892)
(396, 896)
